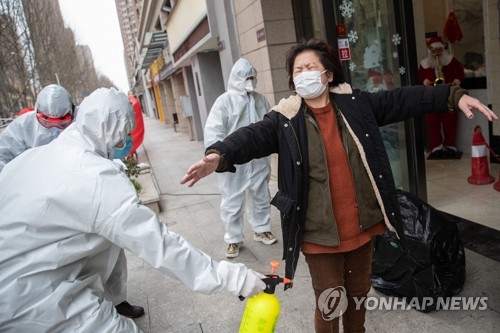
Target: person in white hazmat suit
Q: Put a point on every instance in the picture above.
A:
(239, 106)
(68, 211)
(52, 114)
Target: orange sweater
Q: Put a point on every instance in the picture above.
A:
(345, 208)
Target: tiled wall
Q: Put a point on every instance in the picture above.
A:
(267, 55)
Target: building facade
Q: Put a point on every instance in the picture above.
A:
(185, 49)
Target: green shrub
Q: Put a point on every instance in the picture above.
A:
(133, 172)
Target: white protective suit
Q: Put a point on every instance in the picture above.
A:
(25, 132)
(234, 109)
(66, 213)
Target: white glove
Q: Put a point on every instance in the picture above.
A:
(253, 284)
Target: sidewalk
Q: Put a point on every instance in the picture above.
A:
(194, 213)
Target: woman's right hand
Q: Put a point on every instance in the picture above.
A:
(203, 168)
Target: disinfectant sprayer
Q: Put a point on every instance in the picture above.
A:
(262, 310)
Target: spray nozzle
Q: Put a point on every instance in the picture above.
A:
(274, 265)
(272, 280)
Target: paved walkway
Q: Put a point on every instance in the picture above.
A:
(194, 213)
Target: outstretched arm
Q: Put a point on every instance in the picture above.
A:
(467, 104)
(201, 169)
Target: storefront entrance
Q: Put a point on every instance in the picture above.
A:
(379, 48)
(375, 46)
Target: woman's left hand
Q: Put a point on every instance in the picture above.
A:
(467, 104)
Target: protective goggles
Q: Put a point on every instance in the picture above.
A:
(49, 122)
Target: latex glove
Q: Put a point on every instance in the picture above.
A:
(253, 284)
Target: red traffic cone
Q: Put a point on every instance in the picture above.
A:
(479, 160)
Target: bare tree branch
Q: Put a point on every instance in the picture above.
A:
(37, 49)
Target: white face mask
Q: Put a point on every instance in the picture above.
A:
(250, 85)
(308, 84)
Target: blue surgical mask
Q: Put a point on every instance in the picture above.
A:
(121, 153)
(54, 132)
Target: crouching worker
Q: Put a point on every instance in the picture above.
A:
(53, 112)
(68, 212)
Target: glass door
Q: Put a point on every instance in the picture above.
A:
(365, 32)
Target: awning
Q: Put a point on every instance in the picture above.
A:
(152, 47)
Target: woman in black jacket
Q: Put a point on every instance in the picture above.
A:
(336, 189)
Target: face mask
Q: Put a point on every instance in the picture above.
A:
(250, 86)
(54, 131)
(121, 153)
(308, 85)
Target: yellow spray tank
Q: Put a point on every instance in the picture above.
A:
(263, 310)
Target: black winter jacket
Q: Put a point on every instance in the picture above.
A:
(283, 131)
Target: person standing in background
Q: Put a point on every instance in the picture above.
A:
(240, 106)
(440, 67)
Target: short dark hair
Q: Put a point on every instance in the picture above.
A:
(327, 55)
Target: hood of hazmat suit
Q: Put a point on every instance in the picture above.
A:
(54, 101)
(237, 107)
(67, 213)
(26, 132)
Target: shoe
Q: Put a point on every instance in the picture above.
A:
(265, 237)
(233, 250)
(129, 311)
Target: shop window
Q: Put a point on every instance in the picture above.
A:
(470, 49)
(373, 43)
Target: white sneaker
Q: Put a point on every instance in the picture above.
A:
(233, 250)
(266, 237)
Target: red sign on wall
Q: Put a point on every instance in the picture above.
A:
(344, 50)
(341, 30)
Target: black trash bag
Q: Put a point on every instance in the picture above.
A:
(428, 263)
